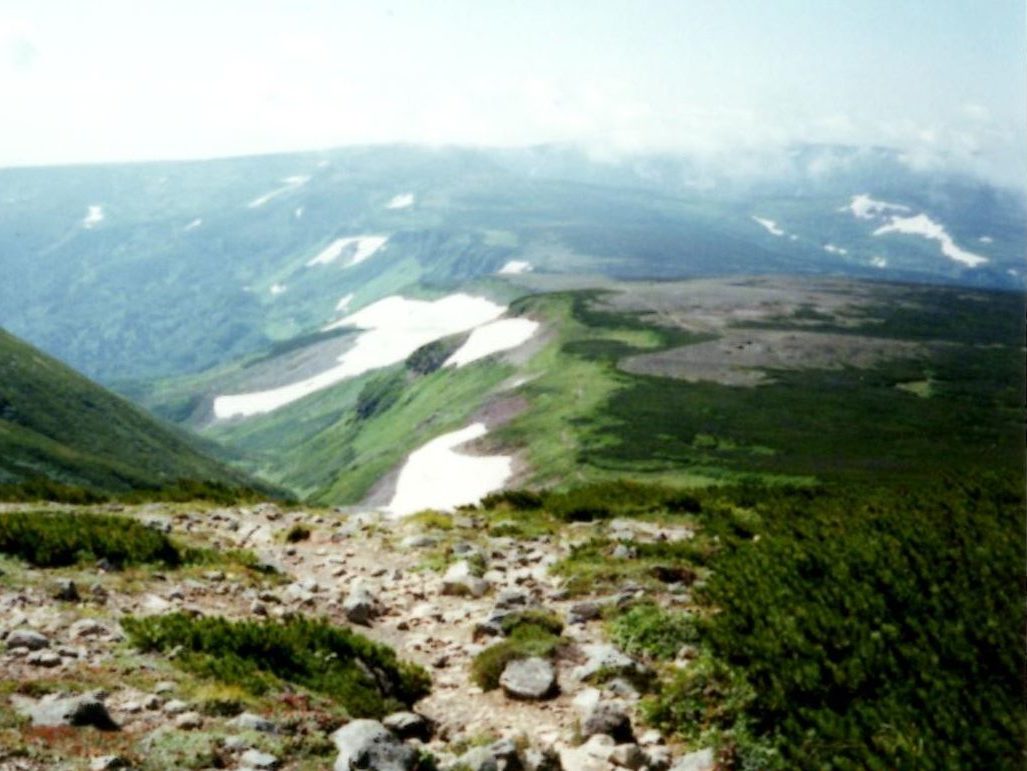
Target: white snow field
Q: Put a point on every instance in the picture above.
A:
(93, 217)
(358, 247)
(496, 336)
(770, 225)
(277, 289)
(401, 201)
(922, 225)
(437, 476)
(393, 328)
(835, 249)
(864, 207)
(289, 183)
(194, 224)
(516, 266)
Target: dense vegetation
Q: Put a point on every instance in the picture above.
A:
(179, 491)
(862, 425)
(526, 634)
(57, 539)
(363, 677)
(56, 424)
(834, 627)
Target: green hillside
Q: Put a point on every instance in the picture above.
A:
(56, 424)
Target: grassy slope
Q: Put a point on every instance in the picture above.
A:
(56, 423)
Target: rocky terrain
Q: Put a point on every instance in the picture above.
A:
(76, 694)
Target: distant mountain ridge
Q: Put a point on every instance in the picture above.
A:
(137, 271)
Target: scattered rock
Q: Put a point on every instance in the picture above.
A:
(43, 658)
(189, 721)
(701, 760)
(607, 659)
(175, 707)
(108, 763)
(478, 759)
(580, 612)
(65, 589)
(593, 755)
(610, 719)
(247, 721)
(367, 744)
(87, 627)
(628, 756)
(460, 580)
(27, 638)
(410, 725)
(360, 605)
(258, 759)
(419, 541)
(78, 711)
(532, 678)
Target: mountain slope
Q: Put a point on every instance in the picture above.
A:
(54, 423)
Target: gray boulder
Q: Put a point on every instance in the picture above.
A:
(607, 659)
(700, 760)
(532, 678)
(461, 581)
(258, 759)
(248, 721)
(580, 612)
(27, 638)
(65, 589)
(608, 719)
(360, 605)
(478, 759)
(78, 711)
(367, 744)
(410, 725)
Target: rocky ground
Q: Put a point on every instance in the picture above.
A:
(75, 695)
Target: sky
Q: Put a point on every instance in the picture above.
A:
(102, 80)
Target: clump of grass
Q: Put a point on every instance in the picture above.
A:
(363, 677)
(432, 520)
(59, 539)
(297, 533)
(589, 564)
(542, 619)
(648, 630)
(525, 640)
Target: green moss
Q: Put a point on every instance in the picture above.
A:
(364, 677)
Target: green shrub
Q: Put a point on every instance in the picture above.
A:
(379, 394)
(431, 356)
(649, 630)
(364, 677)
(297, 533)
(518, 500)
(525, 641)
(542, 619)
(882, 630)
(59, 539)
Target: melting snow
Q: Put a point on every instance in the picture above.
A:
(93, 217)
(770, 225)
(359, 247)
(922, 225)
(986, 239)
(401, 201)
(343, 304)
(866, 208)
(299, 212)
(277, 289)
(835, 249)
(194, 224)
(436, 476)
(501, 335)
(516, 266)
(290, 183)
(879, 262)
(393, 328)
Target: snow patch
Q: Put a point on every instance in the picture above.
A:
(501, 335)
(393, 328)
(436, 476)
(835, 249)
(879, 262)
(298, 213)
(277, 289)
(515, 266)
(358, 248)
(922, 225)
(401, 201)
(288, 183)
(194, 224)
(770, 225)
(986, 240)
(93, 217)
(866, 208)
(343, 304)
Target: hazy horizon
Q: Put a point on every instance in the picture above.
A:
(119, 81)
